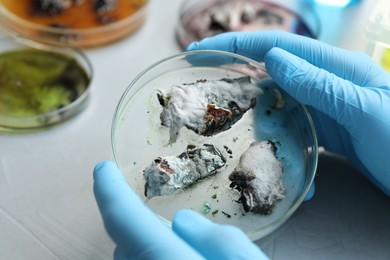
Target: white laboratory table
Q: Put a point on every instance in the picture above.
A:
(47, 207)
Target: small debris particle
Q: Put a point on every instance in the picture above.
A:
(206, 208)
(214, 212)
(227, 149)
(235, 139)
(268, 112)
(226, 214)
(214, 196)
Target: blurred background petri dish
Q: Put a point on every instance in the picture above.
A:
(81, 23)
(204, 18)
(40, 85)
(137, 138)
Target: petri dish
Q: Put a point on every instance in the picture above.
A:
(81, 23)
(201, 19)
(138, 137)
(40, 85)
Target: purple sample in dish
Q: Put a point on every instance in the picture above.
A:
(214, 17)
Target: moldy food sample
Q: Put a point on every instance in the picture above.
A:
(258, 177)
(169, 174)
(206, 107)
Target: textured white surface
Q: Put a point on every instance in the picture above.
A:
(187, 104)
(47, 208)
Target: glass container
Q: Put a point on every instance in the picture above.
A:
(138, 137)
(40, 85)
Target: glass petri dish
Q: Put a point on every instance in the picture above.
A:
(137, 138)
(201, 19)
(40, 85)
(77, 23)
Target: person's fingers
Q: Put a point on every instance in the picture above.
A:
(214, 241)
(120, 207)
(136, 230)
(313, 86)
(348, 104)
(345, 64)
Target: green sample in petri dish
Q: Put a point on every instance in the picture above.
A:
(40, 87)
(37, 82)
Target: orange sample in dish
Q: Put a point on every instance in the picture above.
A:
(83, 23)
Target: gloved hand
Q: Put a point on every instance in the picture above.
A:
(140, 234)
(347, 93)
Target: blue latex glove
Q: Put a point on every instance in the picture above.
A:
(140, 234)
(347, 93)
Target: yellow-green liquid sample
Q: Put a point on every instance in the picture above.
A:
(36, 82)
